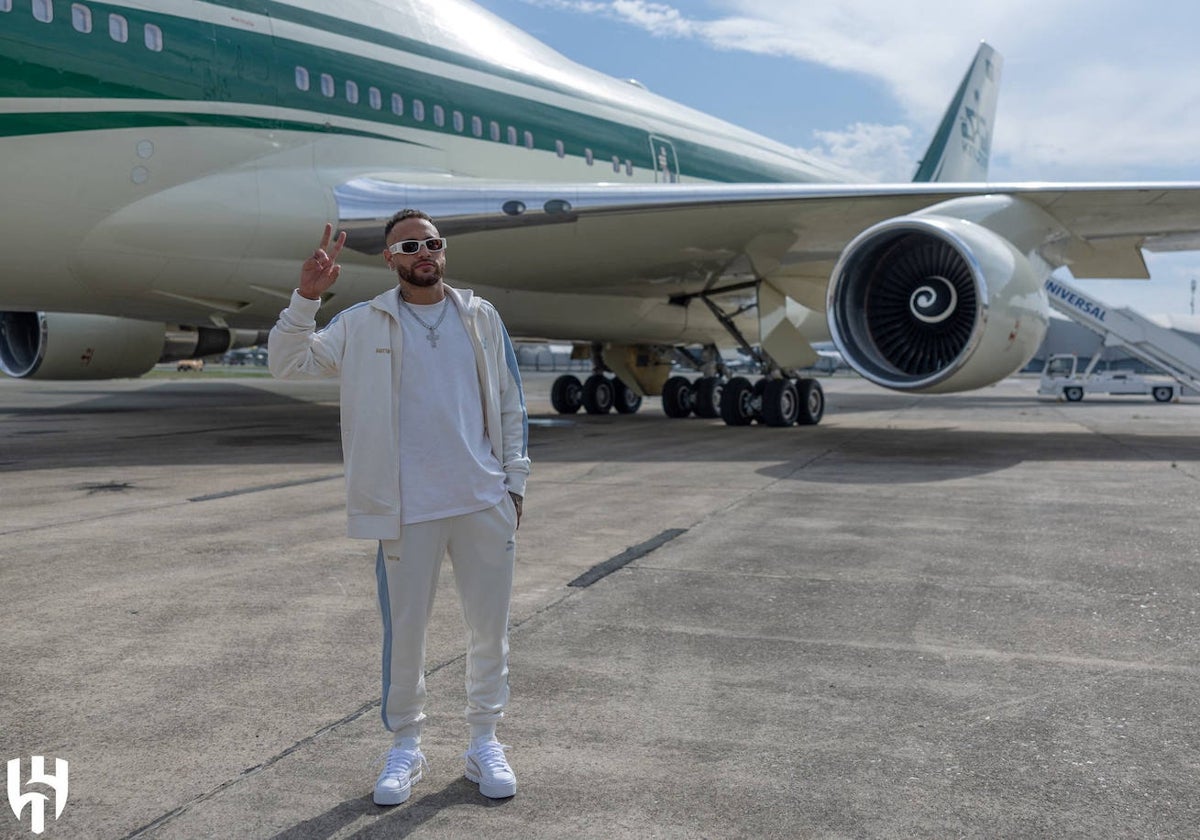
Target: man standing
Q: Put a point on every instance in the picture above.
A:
(435, 440)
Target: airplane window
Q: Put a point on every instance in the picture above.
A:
(528, 139)
(397, 104)
(418, 110)
(326, 84)
(628, 167)
(494, 131)
(589, 157)
(302, 81)
(375, 98)
(512, 135)
(560, 149)
(118, 28)
(43, 11)
(352, 92)
(459, 122)
(5, 5)
(153, 38)
(477, 126)
(616, 164)
(439, 116)
(81, 17)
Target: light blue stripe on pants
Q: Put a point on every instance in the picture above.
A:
(482, 551)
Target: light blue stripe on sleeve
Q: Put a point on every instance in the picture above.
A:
(385, 610)
(510, 358)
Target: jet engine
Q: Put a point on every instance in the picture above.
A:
(934, 304)
(58, 345)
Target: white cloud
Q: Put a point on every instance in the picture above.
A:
(658, 18)
(880, 152)
(1092, 88)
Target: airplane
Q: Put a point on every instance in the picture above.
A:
(166, 166)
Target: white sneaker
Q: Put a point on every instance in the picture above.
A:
(401, 771)
(488, 768)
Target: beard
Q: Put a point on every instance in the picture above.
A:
(425, 280)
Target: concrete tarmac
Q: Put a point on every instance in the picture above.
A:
(928, 617)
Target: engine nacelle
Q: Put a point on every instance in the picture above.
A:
(933, 304)
(59, 345)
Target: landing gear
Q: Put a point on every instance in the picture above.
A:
(772, 402)
(677, 397)
(737, 402)
(566, 394)
(812, 402)
(625, 399)
(706, 397)
(598, 394)
(780, 403)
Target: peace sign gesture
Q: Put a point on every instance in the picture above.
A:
(320, 271)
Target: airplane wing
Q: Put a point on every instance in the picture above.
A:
(924, 287)
(648, 240)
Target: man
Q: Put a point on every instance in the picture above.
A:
(435, 439)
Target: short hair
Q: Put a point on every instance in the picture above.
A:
(408, 213)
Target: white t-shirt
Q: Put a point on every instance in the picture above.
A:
(447, 467)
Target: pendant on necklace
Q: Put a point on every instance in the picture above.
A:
(432, 337)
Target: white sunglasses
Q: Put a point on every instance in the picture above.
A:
(411, 246)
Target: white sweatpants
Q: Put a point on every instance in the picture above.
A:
(482, 551)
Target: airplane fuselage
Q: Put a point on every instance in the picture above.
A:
(173, 163)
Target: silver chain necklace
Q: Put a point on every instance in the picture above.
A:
(433, 336)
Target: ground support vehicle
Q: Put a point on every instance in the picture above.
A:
(1060, 378)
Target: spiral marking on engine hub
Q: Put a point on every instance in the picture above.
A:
(925, 297)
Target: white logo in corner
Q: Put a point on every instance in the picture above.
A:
(35, 800)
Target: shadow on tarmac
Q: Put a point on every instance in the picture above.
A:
(401, 822)
(214, 423)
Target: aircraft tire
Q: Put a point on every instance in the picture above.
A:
(625, 399)
(812, 402)
(677, 397)
(566, 394)
(598, 394)
(1073, 393)
(780, 403)
(760, 388)
(737, 402)
(706, 397)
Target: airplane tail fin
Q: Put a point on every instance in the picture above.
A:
(962, 144)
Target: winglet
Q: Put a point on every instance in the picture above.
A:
(962, 145)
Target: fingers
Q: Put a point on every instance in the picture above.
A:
(323, 257)
(337, 246)
(320, 271)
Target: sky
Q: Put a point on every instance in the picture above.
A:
(1092, 90)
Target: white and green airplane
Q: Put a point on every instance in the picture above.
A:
(165, 166)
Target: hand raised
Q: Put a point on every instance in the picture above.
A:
(320, 271)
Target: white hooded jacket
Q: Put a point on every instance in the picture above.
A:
(364, 345)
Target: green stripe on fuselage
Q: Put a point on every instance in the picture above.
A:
(13, 125)
(203, 62)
